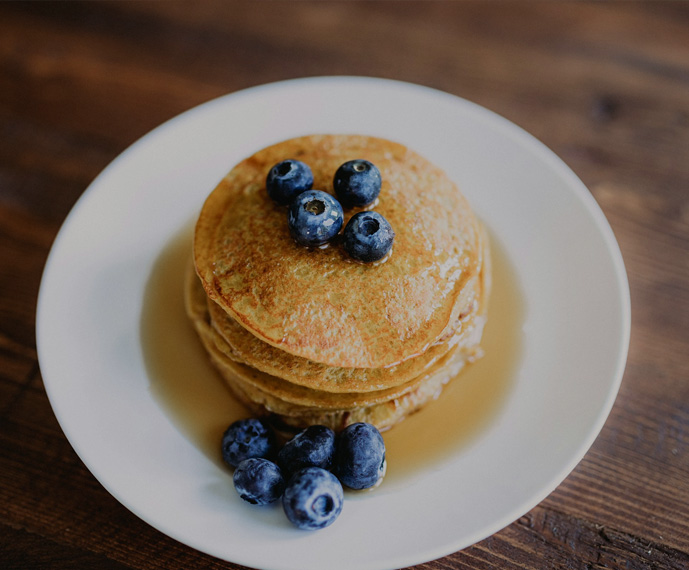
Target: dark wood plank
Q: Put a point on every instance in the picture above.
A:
(21, 549)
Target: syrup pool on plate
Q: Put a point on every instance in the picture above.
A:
(196, 399)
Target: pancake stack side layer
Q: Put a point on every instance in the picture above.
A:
(309, 336)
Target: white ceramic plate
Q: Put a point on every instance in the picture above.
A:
(576, 326)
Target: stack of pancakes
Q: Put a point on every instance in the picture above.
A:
(310, 336)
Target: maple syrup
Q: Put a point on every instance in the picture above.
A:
(195, 398)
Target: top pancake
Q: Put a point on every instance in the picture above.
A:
(318, 303)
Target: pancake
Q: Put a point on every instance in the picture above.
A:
(293, 407)
(383, 415)
(287, 392)
(250, 350)
(308, 336)
(317, 304)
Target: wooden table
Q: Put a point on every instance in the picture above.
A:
(605, 85)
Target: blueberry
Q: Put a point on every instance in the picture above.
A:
(258, 481)
(313, 498)
(245, 439)
(314, 218)
(357, 183)
(314, 446)
(368, 236)
(287, 179)
(360, 459)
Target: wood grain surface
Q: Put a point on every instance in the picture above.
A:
(605, 85)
